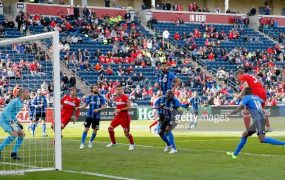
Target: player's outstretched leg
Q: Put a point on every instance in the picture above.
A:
(112, 136)
(241, 144)
(153, 124)
(270, 140)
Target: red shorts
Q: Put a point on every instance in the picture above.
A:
(124, 121)
(263, 97)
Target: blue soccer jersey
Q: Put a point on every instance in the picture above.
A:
(94, 102)
(31, 108)
(11, 110)
(40, 104)
(252, 103)
(195, 101)
(165, 81)
(167, 106)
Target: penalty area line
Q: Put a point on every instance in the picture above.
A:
(194, 150)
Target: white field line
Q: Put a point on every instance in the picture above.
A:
(98, 175)
(195, 150)
(37, 169)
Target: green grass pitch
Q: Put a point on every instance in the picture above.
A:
(201, 155)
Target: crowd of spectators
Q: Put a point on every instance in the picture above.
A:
(131, 47)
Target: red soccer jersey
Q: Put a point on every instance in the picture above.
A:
(68, 106)
(253, 83)
(121, 102)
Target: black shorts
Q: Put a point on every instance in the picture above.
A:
(95, 122)
(41, 116)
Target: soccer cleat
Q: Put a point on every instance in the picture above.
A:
(90, 145)
(268, 129)
(231, 154)
(81, 146)
(167, 148)
(15, 156)
(172, 151)
(110, 145)
(132, 147)
(45, 135)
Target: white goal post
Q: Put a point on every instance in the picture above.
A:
(54, 36)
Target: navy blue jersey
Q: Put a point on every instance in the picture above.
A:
(94, 102)
(31, 108)
(165, 81)
(40, 104)
(195, 102)
(167, 107)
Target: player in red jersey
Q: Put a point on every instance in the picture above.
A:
(69, 103)
(248, 80)
(122, 117)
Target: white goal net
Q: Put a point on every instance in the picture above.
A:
(30, 103)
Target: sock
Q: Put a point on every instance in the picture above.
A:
(171, 139)
(44, 127)
(273, 141)
(84, 135)
(112, 135)
(6, 142)
(33, 129)
(131, 139)
(18, 143)
(164, 138)
(240, 146)
(93, 137)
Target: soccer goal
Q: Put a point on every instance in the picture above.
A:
(31, 63)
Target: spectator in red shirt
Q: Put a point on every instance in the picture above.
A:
(68, 25)
(176, 36)
(197, 33)
(211, 56)
(34, 68)
(109, 70)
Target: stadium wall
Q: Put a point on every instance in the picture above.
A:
(243, 6)
(195, 17)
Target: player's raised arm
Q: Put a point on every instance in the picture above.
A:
(176, 82)
(238, 109)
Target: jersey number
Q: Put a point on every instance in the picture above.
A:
(258, 105)
(255, 79)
